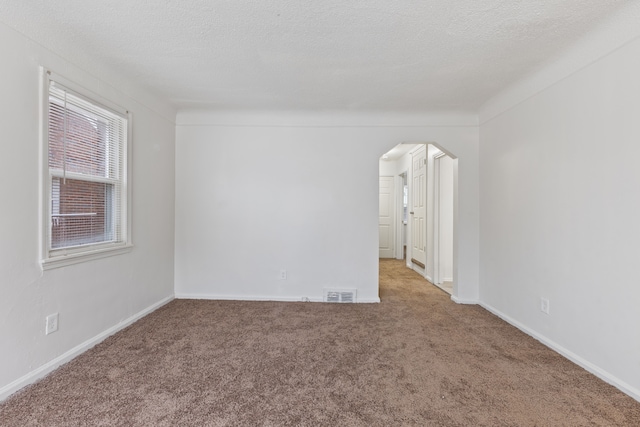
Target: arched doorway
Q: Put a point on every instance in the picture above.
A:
(417, 211)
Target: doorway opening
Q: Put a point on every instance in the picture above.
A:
(443, 201)
(417, 222)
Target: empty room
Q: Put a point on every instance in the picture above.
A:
(333, 213)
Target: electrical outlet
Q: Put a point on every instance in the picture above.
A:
(283, 274)
(51, 324)
(544, 305)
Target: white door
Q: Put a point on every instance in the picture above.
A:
(418, 210)
(443, 211)
(386, 223)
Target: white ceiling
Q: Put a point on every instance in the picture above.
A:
(405, 55)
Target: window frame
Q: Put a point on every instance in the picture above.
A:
(59, 257)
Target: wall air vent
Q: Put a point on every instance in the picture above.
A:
(339, 295)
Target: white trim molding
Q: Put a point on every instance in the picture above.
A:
(464, 301)
(608, 36)
(70, 259)
(590, 367)
(337, 118)
(50, 366)
(300, 298)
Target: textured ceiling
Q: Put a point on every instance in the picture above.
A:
(312, 55)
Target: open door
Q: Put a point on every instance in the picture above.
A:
(443, 201)
(418, 211)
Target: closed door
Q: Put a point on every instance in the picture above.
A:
(386, 224)
(419, 207)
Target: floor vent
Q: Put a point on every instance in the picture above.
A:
(339, 295)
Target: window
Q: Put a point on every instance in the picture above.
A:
(85, 188)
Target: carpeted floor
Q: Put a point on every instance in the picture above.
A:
(415, 359)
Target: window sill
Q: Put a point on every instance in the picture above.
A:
(84, 256)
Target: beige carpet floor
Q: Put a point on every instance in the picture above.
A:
(415, 359)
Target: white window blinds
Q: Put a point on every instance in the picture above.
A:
(87, 146)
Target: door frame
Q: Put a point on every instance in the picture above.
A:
(393, 213)
(437, 274)
(409, 243)
(408, 240)
(400, 237)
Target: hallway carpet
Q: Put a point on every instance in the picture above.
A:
(415, 359)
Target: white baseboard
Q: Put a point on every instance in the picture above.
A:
(463, 300)
(48, 367)
(263, 298)
(246, 297)
(595, 370)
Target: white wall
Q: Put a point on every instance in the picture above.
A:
(256, 194)
(560, 216)
(388, 168)
(95, 296)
